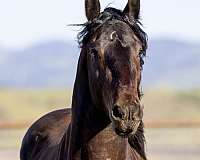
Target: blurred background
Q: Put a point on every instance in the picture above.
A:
(38, 58)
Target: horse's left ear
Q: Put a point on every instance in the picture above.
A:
(132, 9)
(92, 9)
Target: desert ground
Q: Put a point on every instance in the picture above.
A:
(162, 144)
(171, 117)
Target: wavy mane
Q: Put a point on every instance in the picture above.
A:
(109, 14)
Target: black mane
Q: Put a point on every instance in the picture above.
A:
(110, 14)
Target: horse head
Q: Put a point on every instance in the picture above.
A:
(115, 45)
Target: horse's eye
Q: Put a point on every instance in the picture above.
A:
(141, 56)
(140, 51)
(94, 54)
(94, 51)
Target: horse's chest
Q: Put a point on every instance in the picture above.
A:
(105, 146)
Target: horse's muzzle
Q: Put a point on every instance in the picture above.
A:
(126, 120)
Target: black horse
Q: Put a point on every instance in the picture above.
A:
(105, 122)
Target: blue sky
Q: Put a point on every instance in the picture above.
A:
(25, 22)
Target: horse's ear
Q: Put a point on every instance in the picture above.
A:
(132, 8)
(92, 9)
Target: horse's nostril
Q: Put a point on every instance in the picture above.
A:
(118, 112)
(129, 131)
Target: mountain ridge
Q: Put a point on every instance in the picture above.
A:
(53, 64)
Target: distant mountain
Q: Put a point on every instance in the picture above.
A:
(53, 64)
(173, 63)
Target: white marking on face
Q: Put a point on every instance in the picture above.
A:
(97, 73)
(114, 33)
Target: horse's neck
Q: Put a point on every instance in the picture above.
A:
(85, 126)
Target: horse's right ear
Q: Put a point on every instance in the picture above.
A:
(132, 9)
(92, 9)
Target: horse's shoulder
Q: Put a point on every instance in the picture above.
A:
(46, 131)
(55, 121)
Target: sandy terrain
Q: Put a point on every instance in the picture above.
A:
(162, 144)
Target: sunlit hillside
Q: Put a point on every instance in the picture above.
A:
(27, 105)
(160, 104)
(172, 105)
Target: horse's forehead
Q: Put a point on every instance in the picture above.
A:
(119, 30)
